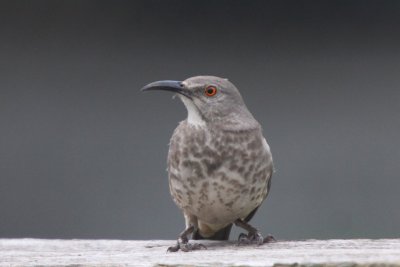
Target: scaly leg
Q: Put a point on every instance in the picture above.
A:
(253, 234)
(183, 242)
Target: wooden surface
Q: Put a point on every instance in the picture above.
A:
(42, 252)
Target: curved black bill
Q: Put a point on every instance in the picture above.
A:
(172, 86)
(167, 85)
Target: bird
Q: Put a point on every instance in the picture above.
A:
(219, 163)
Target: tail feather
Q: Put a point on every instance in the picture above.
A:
(222, 234)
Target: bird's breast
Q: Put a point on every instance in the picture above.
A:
(218, 176)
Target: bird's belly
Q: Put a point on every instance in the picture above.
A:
(220, 198)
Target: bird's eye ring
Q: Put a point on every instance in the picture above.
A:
(210, 90)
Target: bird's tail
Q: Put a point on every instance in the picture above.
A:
(222, 234)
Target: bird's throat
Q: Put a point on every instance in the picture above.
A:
(194, 117)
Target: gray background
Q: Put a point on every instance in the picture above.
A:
(83, 152)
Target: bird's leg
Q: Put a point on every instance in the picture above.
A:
(182, 239)
(183, 242)
(253, 234)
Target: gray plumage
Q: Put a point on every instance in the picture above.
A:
(219, 163)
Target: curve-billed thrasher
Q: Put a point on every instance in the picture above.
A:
(219, 163)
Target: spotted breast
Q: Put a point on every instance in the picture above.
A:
(217, 175)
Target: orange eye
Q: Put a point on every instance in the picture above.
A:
(210, 90)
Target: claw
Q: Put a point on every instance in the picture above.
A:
(186, 247)
(190, 247)
(257, 238)
(251, 238)
(198, 246)
(183, 242)
(173, 248)
(243, 239)
(269, 239)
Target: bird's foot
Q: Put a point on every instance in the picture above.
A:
(251, 238)
(174, 248)
(183, 242)
(269, 239)
(255, 238)
(186, 247)
(190, 247)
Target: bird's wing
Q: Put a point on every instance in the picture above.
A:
(268, 152)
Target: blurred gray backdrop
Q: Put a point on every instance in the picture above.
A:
(83, 152)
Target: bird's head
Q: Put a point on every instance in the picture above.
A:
(208, 99)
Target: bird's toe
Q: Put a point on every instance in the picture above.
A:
(174, 248)
(190, 247)
(243, 239)
(269, 239)
(251, 238)
(186, 247)
(257, 238)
